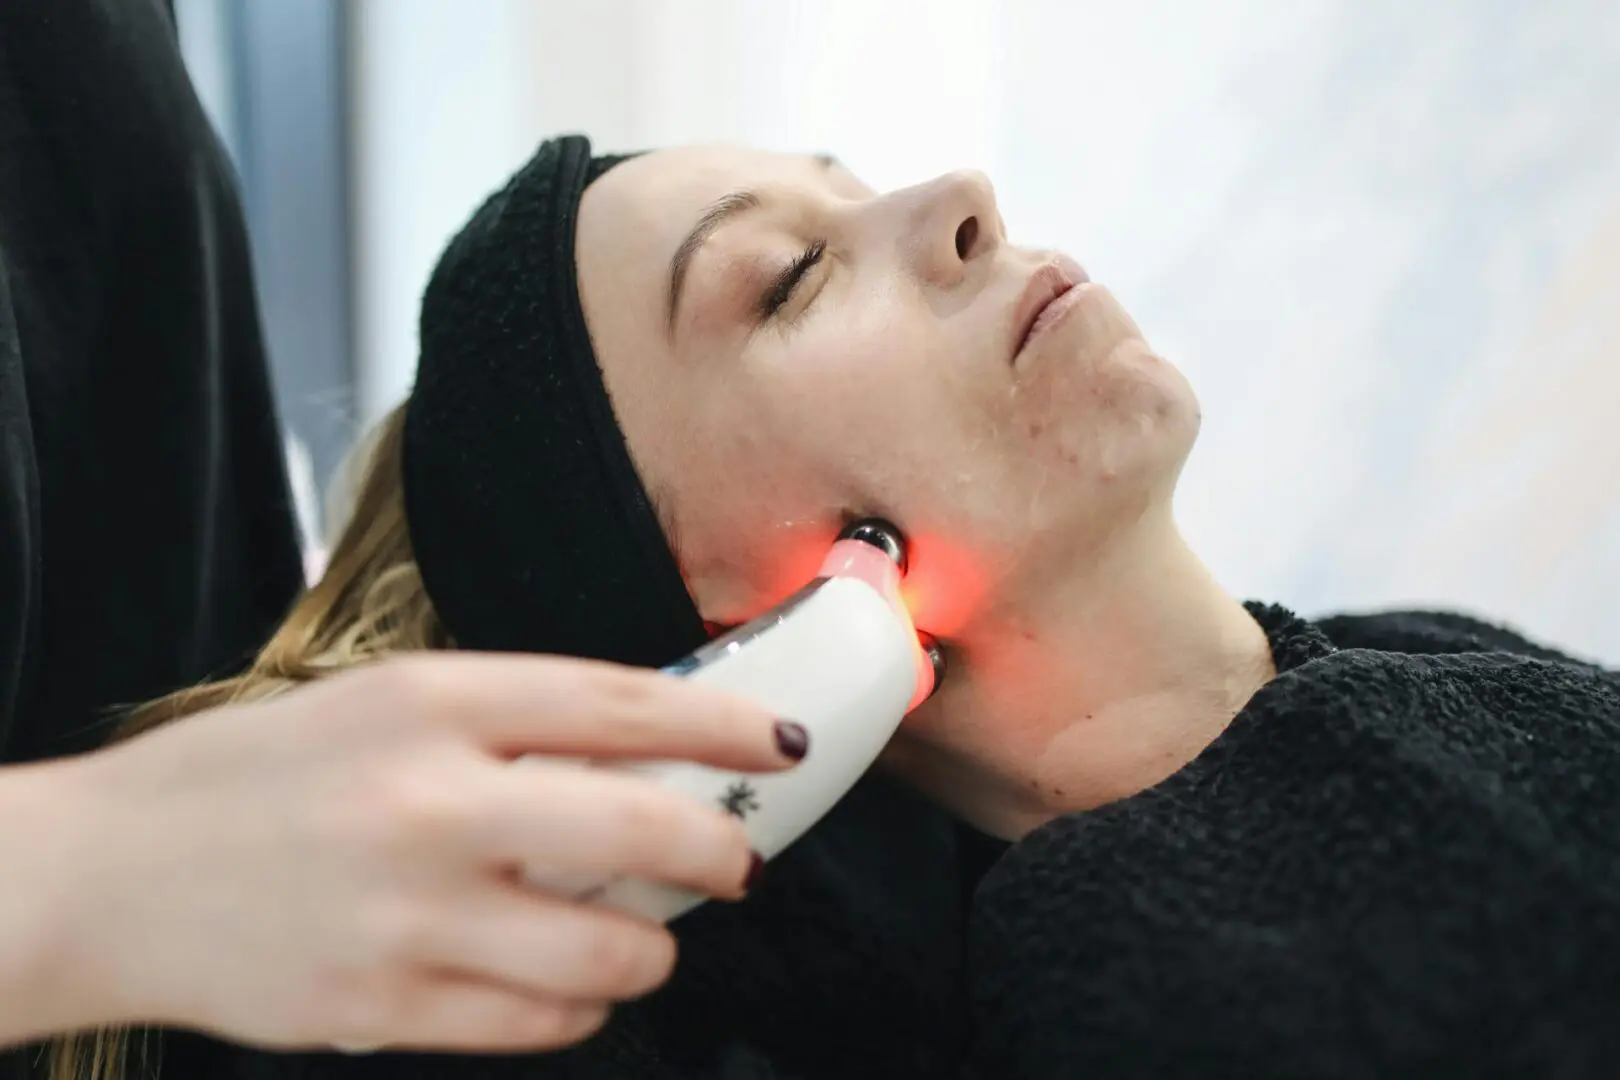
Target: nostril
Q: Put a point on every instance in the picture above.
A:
(966, 234)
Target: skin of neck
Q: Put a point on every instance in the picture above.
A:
(1089, 680)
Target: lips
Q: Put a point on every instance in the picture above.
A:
(1050, 281)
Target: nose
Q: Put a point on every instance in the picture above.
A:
(955, 222)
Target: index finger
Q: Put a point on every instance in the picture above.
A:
(565, 707)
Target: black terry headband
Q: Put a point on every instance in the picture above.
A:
(531, 527)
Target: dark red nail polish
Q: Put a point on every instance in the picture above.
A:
(792, 739)
(756, 870)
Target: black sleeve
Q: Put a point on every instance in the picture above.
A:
(147, 535)
(19, 514)
(1389, 866)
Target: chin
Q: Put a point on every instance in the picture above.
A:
(1110, 430)
(1126, 453)
(1139, 410)
(1172, 407)
(1166, 424)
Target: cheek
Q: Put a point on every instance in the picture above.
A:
(939, 465)
(851, 397)
(823, 425)
(753, 506)
(901, 419)
(864, 412)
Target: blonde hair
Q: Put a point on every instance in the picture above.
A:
(368, 604)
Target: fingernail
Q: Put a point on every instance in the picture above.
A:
(792, 739)
(756, 870)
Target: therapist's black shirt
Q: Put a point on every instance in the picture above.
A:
(146, 532)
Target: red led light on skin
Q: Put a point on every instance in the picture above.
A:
(945, 585)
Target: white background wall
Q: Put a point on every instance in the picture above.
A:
(1381, 238)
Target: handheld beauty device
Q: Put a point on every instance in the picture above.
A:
(841, 657)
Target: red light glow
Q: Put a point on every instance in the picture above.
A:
(944, 587)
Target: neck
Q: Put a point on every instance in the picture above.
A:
(1088, 688)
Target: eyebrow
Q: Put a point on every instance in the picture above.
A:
(715, 215)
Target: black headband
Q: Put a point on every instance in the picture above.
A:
(531, 527)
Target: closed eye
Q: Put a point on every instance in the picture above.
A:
(781, 290)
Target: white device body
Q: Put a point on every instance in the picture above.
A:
(840, 657)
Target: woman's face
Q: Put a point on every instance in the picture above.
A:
(787, 349)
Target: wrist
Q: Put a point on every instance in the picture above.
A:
(52, 887)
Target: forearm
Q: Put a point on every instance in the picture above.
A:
(45, 884)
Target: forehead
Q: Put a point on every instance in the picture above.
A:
(667, 188)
